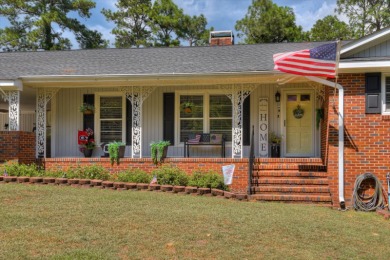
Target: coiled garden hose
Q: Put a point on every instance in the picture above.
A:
(371, 203)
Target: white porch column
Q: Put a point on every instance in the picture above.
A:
(237, 94)
(43, 97)
(13, 98)
(137, 95)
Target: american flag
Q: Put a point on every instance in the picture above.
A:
(320, 61)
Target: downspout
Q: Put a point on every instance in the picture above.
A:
(341, 133)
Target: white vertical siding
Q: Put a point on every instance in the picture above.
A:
(380, 50)
(27, 121)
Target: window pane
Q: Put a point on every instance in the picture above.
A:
(291, 97)
(191, 106)
(222, 126)
(111, 119)
(190, 126)
(220, 106)
(305, 97)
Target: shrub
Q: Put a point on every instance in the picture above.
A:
(134, 175)
(16, 169)
(168, 175)
(87, 172)
(209, 179)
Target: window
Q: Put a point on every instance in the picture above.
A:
(111, 118)
(207, 113)
(387, 94)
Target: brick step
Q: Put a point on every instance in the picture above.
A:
(292, 198)
(289, 173)
(291, 189)
(289, 166)
(289, 181)
(308, 161)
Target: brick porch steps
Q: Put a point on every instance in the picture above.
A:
(297, 180)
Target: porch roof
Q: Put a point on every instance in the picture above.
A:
(145, 61)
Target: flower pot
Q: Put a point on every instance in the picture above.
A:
(275, 150)
(88, 112)
(122, 150)
(88, 152)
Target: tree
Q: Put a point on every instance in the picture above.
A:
(194, 30)
(365, 16)
(131, 21)
(268, 22)
(165, 19)
(330, 28)
(39, 24)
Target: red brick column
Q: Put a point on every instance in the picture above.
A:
(17, 145)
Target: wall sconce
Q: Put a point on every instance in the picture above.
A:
(277, 97)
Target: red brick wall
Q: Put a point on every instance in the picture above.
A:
(17, 145)
(240, 179)
(367, 138)
(221, 41)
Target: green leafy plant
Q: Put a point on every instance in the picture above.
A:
(134, 175)
(319, 116)
(187, 106)
(16, 169)
(274, 138)
(85, 107)
(113, 150)
(168, 175)
(87, 172)
(157, 150)
(207, 179)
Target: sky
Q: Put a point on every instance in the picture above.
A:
(221, 14)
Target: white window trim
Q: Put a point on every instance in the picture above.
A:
(206, 107)
(97, 114)
(383, 93)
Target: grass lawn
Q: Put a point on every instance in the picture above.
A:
(74, 223)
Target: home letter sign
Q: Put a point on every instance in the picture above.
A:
(263, 127)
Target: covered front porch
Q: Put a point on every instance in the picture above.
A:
(153, 110)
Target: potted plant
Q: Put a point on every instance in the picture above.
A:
(116, 151)
(159, 150)
(187, 106)
(275, 144)
(87, 144)
(87, 109)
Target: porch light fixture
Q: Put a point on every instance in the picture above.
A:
(277, 97)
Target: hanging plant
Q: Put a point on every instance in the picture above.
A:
(159, 150)
(319, 116)
(298, 112)
(187, 106)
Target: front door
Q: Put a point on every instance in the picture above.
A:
(299, 124)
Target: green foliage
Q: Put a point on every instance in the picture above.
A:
(365, 17)
(87, 172)
(34, 23)
(330, 28)
(168, 175)
(268, 22)
(194, 30)
(131, 19)
(113, 149)
(157, 150)
(134, 175)
(207, 179)
(166, 18)
(274, 138)
(16, 169)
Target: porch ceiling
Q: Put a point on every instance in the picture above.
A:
(154, 80)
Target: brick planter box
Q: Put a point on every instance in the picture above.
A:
(49, 180)
(242, 196)
(217, 192)
(166, 188)
(142, 186)
(154, 187)
(179, 189)
(191, 190)
(84, 182)
(36, 180)
(10, 178)
(229, 195)
(1, 178)
(108, 184)
(119, 185)
(131, 185)
(204, 191)
(73, 181)
(96, 183)
(23, 179)
(62, 181)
